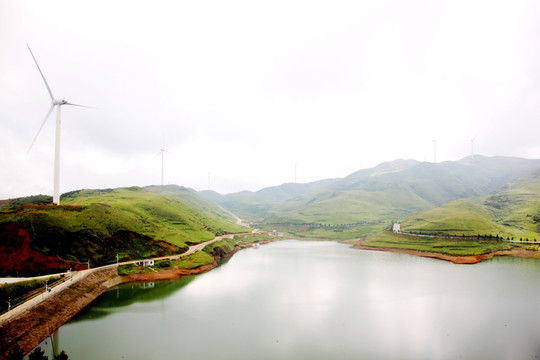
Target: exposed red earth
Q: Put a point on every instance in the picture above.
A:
(16, 254)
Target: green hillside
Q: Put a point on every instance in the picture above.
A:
(160, 217)
(96, 225)
(196, 201)
(513, 211)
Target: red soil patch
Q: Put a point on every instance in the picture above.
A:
(17, 255)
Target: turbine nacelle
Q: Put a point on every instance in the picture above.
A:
(62, 101)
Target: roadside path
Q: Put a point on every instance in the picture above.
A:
(238, 220)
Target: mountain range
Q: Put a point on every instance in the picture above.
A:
(480, 195)
(391, 191)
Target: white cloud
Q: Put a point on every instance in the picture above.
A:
(246, 90)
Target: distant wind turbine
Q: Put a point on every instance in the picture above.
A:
(58, 103)
(435, 150)
(162, 151)
(472, 148)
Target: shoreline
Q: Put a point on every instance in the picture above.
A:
(455, 259)
(48, 316)
(45, 318)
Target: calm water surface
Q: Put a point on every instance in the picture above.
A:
(319, 300)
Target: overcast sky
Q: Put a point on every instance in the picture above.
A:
(242, 93)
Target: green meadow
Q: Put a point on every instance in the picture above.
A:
(455, 247)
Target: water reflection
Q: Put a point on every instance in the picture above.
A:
(128, 294)
(319, 300)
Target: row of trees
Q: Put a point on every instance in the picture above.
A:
(37, 354)
(463, 236)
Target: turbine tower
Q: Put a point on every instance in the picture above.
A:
(162, 151)
(434, 150)
(472, 148)
(58, 104)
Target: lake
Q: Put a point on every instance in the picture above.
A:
(318, 300)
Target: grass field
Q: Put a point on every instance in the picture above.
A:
(455, 247)
(342, 233)
(380, 236)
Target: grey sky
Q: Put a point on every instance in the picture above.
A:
(244, 90)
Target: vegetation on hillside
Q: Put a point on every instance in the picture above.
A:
(161, 217)
(191, 261)
(511, 212)
(455, 247)
(28, 200)
(96, 225)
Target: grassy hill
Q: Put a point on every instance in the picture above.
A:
(195, 200)
(159, 216)
(512, 211)
(96, 225)
(391, 191)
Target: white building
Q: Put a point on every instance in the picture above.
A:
(396, 228)
(147, 262)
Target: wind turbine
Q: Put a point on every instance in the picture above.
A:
(434, 149)
(58, 104)
(162, 151)
(472, 147)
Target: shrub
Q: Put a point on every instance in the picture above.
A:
(37, 354)
(164, 264)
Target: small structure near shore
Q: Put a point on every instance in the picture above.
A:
(396, 228)
(146, 262)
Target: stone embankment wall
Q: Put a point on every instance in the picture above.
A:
(33, 326)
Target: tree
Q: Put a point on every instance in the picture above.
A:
(38, 354)
(62, 356)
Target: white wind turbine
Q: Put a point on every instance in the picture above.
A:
(434, 149)
(58, 103)
(472, 147)
(162, 152)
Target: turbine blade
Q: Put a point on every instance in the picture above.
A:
(89, 107)
(41, 127)
(46, 84)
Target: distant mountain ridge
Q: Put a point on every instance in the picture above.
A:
(390, 191)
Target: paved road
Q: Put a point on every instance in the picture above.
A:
(238, 220)
(79, 275)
